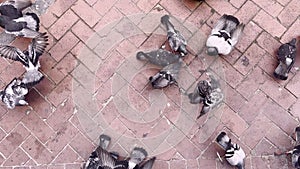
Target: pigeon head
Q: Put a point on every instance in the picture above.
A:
(212, 51)
(183, 50)
(293, 42)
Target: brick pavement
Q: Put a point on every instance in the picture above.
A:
(95, 85)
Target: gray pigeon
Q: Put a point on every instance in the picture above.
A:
(286, 55)
(167, 76)
(14, 22)
(224, 35)
(158, 57)
(234, 154)
(207, 92)
(296, 150)
(14, 94)
(102, 159)
(29, 58)
(176, 40)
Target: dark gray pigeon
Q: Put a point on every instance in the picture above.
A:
(14, 22)
(207, 92)
(286, 55)
(224, 35)
(167, 76)
(296, 150)
(175, 38)
(158, 57)
(102, 159)
(14, 94)
(29, 58)
(234, 154)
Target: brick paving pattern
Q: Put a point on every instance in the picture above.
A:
(95, 85)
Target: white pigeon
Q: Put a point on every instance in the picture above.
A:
(224, 35)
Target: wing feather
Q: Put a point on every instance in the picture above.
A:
(13, 53)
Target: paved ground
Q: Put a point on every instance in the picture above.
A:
(95, 85)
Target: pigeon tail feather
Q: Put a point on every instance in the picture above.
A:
(165, 20)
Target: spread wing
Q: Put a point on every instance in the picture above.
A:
(38, 47)
(13, 53)
(105, 158)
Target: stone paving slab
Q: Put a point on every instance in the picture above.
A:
(95, 85)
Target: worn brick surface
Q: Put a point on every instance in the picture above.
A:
(93, 84)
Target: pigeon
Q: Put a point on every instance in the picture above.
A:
(14, 22)
(158, 57)
(167, 76)
(29, 58)
(102, 159)
(234, 154)
(224, 35)
(176, 40)
(296, 150)
(14, 94)
(207, 92)
(286, 56)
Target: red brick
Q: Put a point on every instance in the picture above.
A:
(67, 64)
(237, 3)
(82, 145)
(45, 86)
(109, 67)
(47, 19)
(251, 83)
(63, 24)
(159, 164)
(291, 32)
(251, 32)
(39, 104)
(233, 121)
(82, 31)
(104, 6)
(191, 153)
(43, 132)
(67, 155)
(61, 92)
(12, 71)
(222, 7)
(247, 12)
(207, 163)
(279, 116)
(13, 140)
(226, 72)
(233, 57)
(270, 6)
(178, 164)
(176, 8)
(268, 63)
(268, 43)
(55, 75)
(293, 85)
(200, 15)
(86, 13)
(192, 164)
(264, 147)
(12, 118)
(147, 5)
(19, 157)
(253, 56)
(63, 46)
(255, 133)
(37, 151)
(64, 135)
(282, 96)
(269, 23)
(109, 19)
(289, 13)
(279, 138)
(295, 108)
(62, 113)
(60, 6)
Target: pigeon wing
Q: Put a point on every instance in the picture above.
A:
(148, 164)
(38, 47)
(18, 4)
(13, 53)
(105, 158)
(237, 34)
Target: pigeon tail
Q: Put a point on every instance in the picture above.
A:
(104, 141)
(281, 72)
(32, 78)
(137, 155)
(297, 133)
(205, 109)
(232, 19)
(148, 164)
(33, 21)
